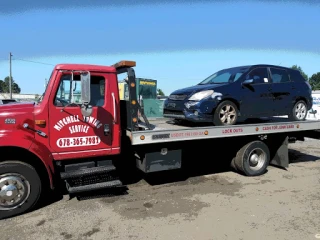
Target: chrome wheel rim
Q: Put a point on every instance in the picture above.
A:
(14, 191)
(300, 111)
(257, 159)
(227, 114)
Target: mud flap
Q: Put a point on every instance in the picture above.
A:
(281, 156)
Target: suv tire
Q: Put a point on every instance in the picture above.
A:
(299, 111)
(224, 110)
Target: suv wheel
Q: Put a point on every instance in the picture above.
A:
(225, 114)
(299, 111)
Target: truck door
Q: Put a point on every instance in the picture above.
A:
(71, 133)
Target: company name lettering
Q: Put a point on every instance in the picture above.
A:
(78, 127)
(147, 83)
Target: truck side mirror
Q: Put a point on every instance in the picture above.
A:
(86, 109)
(85, 88)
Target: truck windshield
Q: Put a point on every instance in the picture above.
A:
(225, 76)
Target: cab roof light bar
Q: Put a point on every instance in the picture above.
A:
(124, 64)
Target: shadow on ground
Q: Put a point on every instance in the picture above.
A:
(296, 156)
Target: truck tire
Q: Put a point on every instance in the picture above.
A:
(253, 159)
(20, 188)
(299, 111)
(225, 109)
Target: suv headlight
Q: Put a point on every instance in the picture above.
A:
(201, 95)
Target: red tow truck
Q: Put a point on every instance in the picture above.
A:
(81, 135)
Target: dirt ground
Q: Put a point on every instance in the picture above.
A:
(282, 204)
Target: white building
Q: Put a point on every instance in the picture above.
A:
(20, 97)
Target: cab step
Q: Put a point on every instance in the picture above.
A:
(91, 177)
(87, 172)
(94, 187)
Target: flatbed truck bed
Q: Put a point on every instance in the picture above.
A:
(166, 130)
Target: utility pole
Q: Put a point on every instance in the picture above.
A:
(10, 77)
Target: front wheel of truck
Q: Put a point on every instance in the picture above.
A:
(20, 188)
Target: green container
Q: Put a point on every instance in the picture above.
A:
(146, 88)
(153, 108)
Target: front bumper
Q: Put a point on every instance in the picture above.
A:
(189, 110)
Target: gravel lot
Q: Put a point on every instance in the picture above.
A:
(278, 205)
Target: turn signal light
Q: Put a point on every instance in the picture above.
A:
(40, 122)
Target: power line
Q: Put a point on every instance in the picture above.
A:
(33, 61)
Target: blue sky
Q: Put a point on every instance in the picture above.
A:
(178, 44)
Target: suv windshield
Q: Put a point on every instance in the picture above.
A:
(225, 76)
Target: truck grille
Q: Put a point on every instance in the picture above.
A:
(177, 97)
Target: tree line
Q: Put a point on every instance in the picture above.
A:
(5, 86)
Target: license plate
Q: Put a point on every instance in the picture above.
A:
(173, 105)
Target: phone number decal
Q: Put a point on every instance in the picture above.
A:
(78, 141)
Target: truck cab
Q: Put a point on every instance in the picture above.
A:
(76, 119)
(79, 112)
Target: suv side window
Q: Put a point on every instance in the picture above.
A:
(259, 75)
(279, 75)
(63, 96)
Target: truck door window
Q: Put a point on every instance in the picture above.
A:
(63, 96)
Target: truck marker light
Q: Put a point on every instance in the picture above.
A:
(257, 129)
(133, 102)
(206, 132)
(40, 122)
(142, 137)
(134, 119)
(132, 84)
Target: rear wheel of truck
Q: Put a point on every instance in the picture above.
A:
(252, 159)
(20, 188)
(225, 114)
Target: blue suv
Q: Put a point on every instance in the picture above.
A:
(240, 93)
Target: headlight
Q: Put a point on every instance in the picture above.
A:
(200, 95)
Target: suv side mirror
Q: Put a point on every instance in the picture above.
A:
(247, 82)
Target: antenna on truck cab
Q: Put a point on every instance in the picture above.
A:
(134, 107)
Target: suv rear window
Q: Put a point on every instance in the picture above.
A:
(296, 76)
